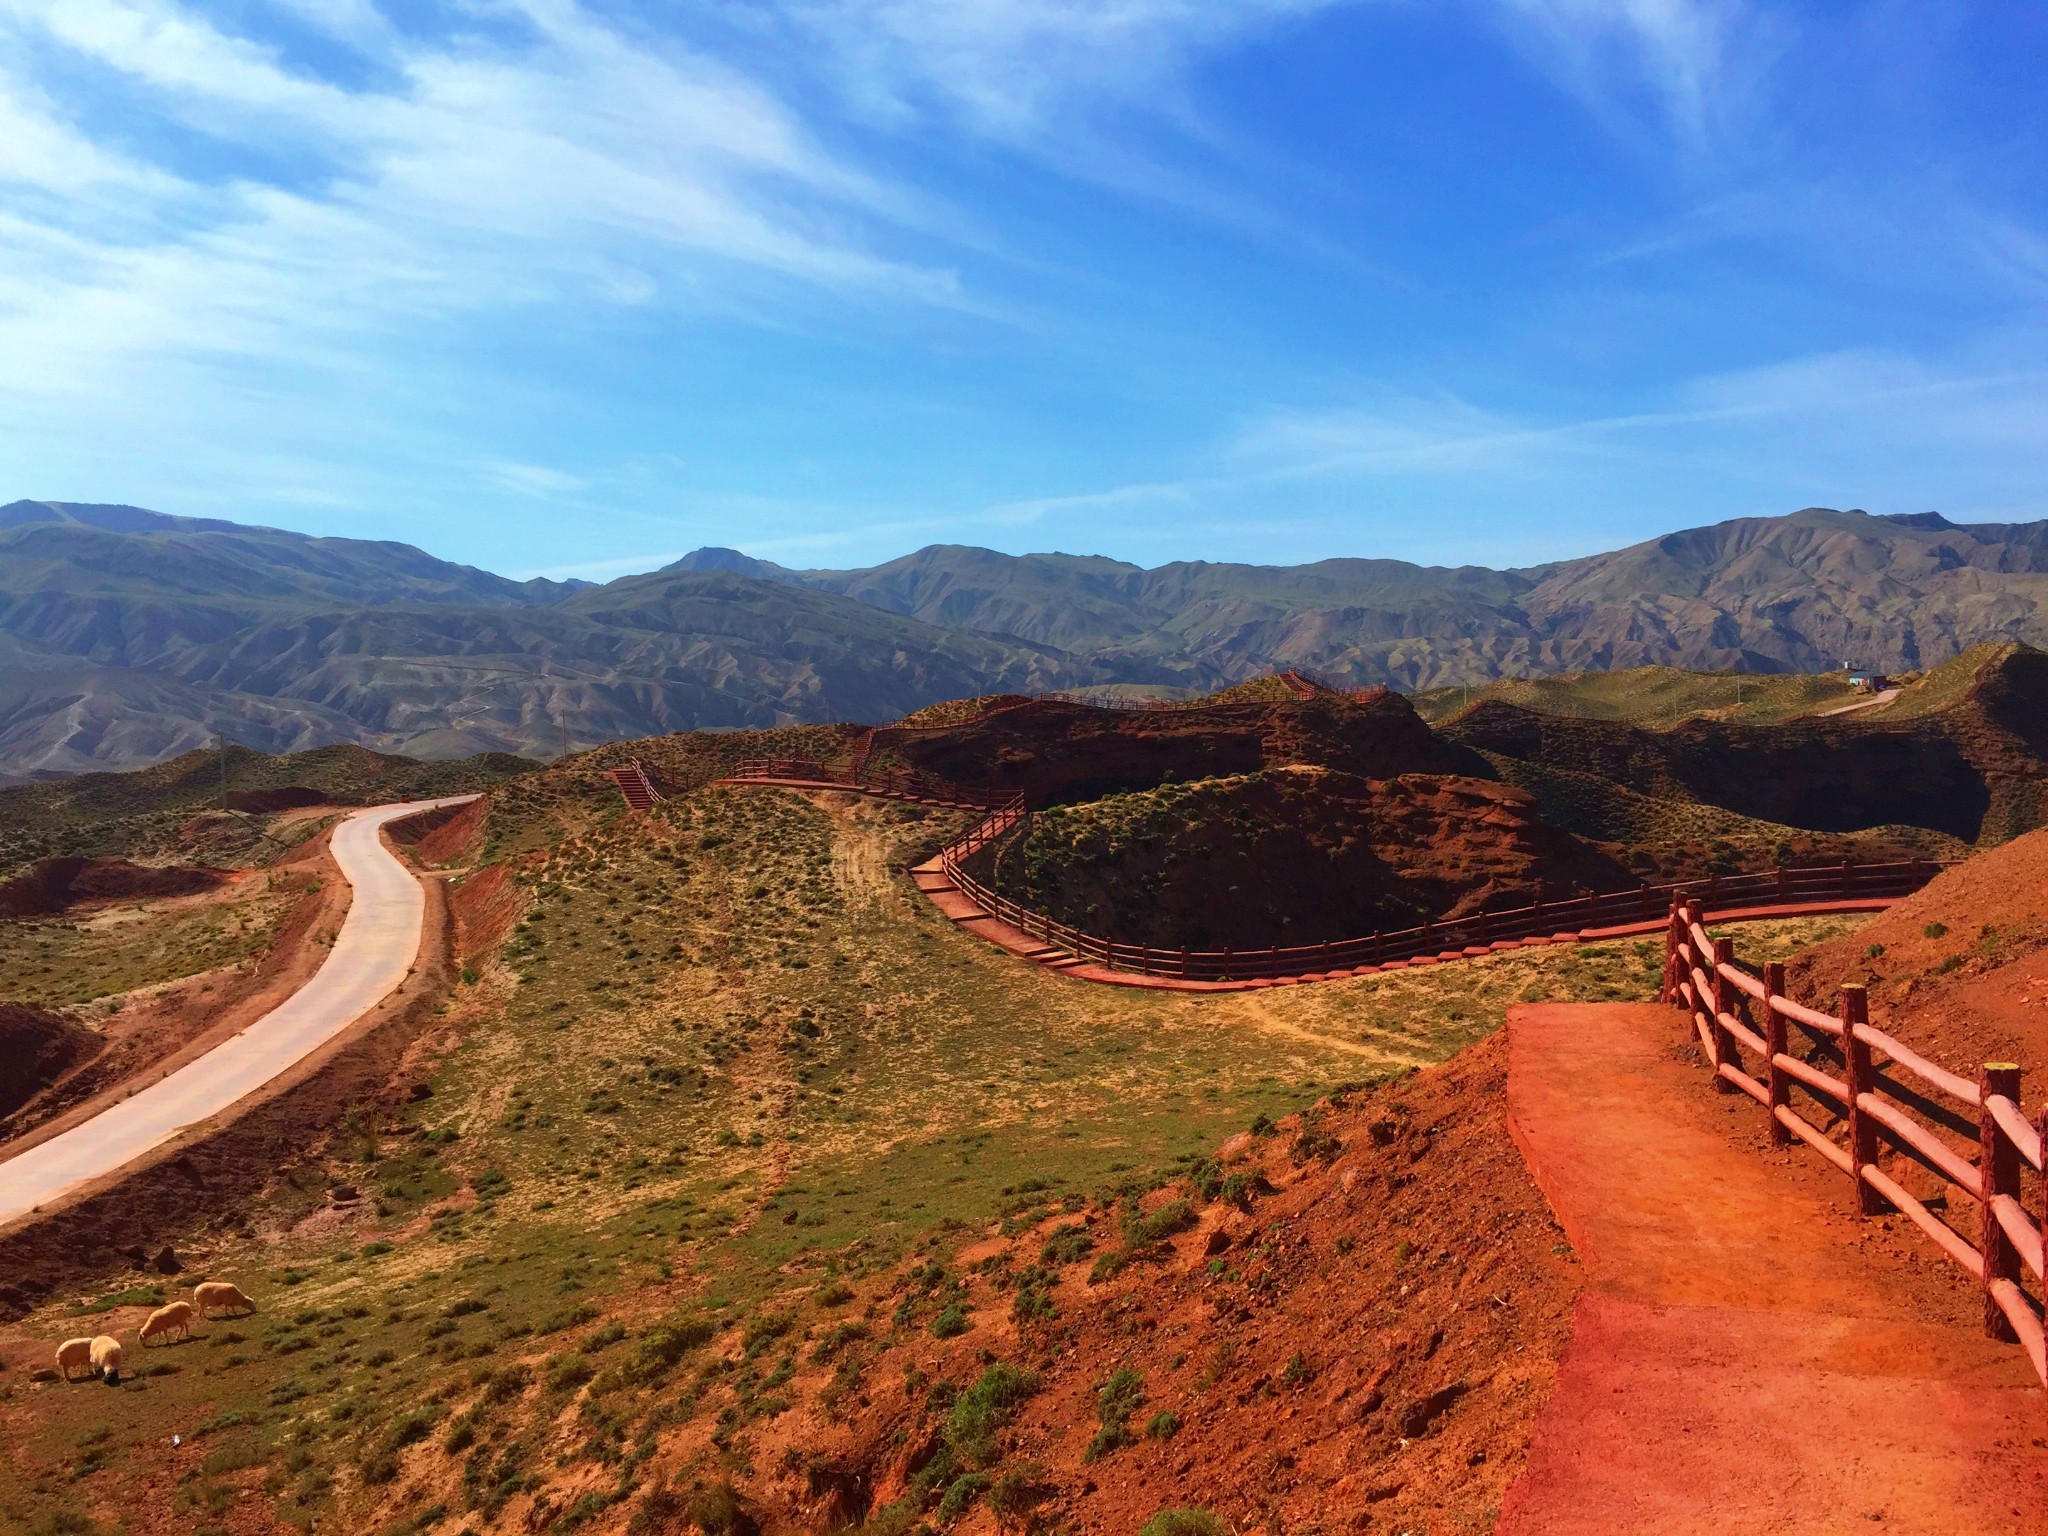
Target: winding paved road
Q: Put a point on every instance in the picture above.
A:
(377, 945)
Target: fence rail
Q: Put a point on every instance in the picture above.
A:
(1896, 1107)
(1476, 934)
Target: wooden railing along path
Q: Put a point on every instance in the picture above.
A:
(1902, 1103)
(1643, 907)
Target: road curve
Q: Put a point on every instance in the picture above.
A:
(377, 945)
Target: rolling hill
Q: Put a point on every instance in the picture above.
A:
(129, 636)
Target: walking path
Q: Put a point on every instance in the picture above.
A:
(939, 888)
(1747, 1357)
(376, 948)
(1884, 696)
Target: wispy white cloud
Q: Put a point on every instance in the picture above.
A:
(1695, 65)
(574, 164)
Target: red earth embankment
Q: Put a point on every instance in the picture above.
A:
(1960, 969)
(1296, 855)
(50, 886)
(1364, 1345)
(1056, 752)
(38, 1047)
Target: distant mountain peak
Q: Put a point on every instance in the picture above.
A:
(714, 558)
(112, 517)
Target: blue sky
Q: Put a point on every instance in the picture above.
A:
(553, 287)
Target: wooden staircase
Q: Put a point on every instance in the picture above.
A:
(860, 757)
(634, 785)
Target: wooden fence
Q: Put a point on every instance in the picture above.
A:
(1477, 934)
(1902, 1107)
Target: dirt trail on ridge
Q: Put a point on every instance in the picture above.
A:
(1748, 1357)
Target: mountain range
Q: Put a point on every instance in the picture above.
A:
(128, 636)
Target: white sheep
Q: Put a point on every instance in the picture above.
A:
(220, 1294)
(106, 1359)
(74, 1355)
(165, 1321)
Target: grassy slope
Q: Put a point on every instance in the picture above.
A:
(721, 1071)
(1653, 697)
(60, 962)
(141, 813)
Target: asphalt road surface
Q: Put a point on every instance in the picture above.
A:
(378, 942)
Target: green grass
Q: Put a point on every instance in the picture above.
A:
(1656, 697)
(61, 961)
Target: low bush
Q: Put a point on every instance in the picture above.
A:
(1184, 1522)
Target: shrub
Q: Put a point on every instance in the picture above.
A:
(718, 1512)
(1122, 1395)
(835, 1294)
(1017, 1492)
(1067, 1245)
(410, 1428)
(961, 1495)
(1164, 1426)
(951, 1321)
(659, 1511)
(1935, 931)
(1184, 1522)
(1174, 1216)
(984, 1408)
(763, 1329)
(568, 1372)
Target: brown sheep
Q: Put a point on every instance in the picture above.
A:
(173, 1319)
(74, 1355)
(106, 1359)
(220, 1294)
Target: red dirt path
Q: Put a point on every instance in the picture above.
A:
(1748, 1357)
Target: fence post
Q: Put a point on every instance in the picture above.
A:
(1183, 962)
(1861, 1077)
(1670, 992)
(1379, 946)
(1778, 1079)
(1998, 1168)
(1224, 974)
(1592, 907)
(1783, 879)
(1848, 878)
(1722, 1001)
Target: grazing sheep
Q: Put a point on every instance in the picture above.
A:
(220, 1294)
(173, 1319)
(106, 1359)
(74, 1355)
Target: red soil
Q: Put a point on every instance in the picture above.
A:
(1748, 1357)
(1974, 989)
(54, 885)
(1302, 855)
(1369, 1347)
(36, 1048)
(1056, 752)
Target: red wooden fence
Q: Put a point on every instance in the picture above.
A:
(1876, 1111)
(1478, 934)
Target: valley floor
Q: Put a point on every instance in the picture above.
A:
(700, 1173)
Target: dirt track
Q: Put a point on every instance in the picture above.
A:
(374, 951)
(1747, 1357)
